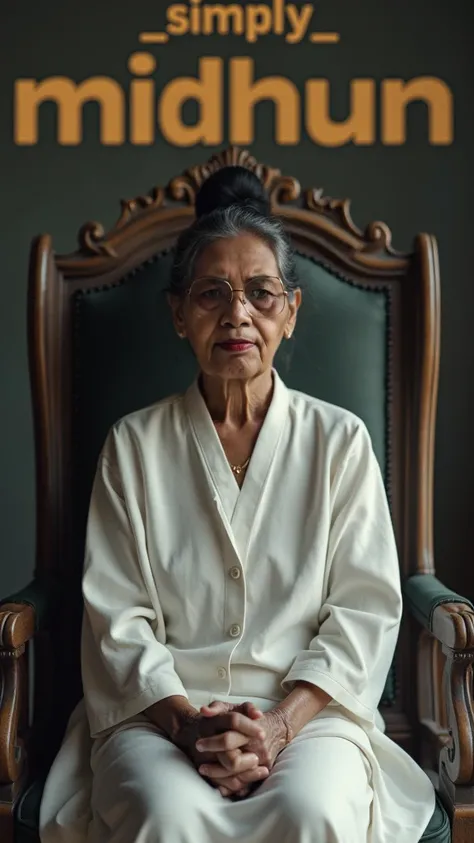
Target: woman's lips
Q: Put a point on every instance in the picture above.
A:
(236, 345)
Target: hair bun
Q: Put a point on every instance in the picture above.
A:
(232, 186)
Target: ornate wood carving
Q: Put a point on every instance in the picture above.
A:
(17, 627)
(453, 625)
(285, 194)
(377, 235)
(281, 189)
(458, 756)
(92, 238)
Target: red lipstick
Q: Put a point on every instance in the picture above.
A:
(236, 345)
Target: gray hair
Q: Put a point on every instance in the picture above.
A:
(229, 222)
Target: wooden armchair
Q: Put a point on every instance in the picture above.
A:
(367, 338)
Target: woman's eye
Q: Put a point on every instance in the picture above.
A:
(213, 293)
(259, 293)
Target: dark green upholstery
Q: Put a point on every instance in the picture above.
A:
(42, 595)
(437, 831)
(423, 593)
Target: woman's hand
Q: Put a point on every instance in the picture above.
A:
(229, 783)
(227, 748)
(240, 728)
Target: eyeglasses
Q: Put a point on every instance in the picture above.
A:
(263, 295)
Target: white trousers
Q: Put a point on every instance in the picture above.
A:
(145, 790)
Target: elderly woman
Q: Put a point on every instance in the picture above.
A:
(241, 588)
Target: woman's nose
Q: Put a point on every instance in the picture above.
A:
(236, 312)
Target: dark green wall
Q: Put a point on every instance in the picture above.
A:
(48, 188)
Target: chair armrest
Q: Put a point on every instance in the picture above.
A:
(449, 617)
(443, 612)
(31, 610)
(22, 615)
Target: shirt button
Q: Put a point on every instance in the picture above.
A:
(235, 573)
(234, 631)
(221, 672)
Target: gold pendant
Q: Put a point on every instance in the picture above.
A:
(238, 469)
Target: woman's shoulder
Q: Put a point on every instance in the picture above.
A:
(158, 408)
(334, 430)
(147, 421)
(317, 410)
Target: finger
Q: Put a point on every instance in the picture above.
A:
(236, 762)
(220, 707)
(234, 789)
(243, 724)
(215, 707)
(232, 785)
(217, 771)
(227, 759)
(251, 711)
(234, 721)
(255, 775)
(225, 742)
(250, 776)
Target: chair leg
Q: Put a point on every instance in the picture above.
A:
(6, 815)
(459, 803)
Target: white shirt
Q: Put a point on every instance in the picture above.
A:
(195, 587)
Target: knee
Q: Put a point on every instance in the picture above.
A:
(151, 812)
(178, 814)
(312, 817)
(299, 813)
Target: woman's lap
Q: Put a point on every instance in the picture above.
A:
(145, 790)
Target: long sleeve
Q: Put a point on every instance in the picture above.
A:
(359, 619)
(125, 665)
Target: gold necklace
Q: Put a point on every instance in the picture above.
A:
(238, 469)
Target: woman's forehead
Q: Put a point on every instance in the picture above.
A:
(245, 254)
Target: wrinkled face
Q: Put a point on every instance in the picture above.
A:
(238, 338)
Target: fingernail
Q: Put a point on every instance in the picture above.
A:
(199, 746)
(203, 770)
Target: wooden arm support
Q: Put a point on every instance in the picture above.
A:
(453, 627)
(17, 627)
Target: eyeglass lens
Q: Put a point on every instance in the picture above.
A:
(264, 294)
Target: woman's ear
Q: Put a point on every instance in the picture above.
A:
(294, 304)
(176, 304)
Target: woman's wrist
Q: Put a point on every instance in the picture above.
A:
(283, 728)
(172, 715)
(303, 703)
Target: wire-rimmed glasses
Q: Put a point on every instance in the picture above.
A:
(263, 295)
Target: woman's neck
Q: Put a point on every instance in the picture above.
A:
(235, 402)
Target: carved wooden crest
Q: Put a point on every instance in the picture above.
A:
(284, 192)
(280, 188)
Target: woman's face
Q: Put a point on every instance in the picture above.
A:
(233, 340)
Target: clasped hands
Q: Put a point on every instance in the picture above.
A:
(234, 746)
